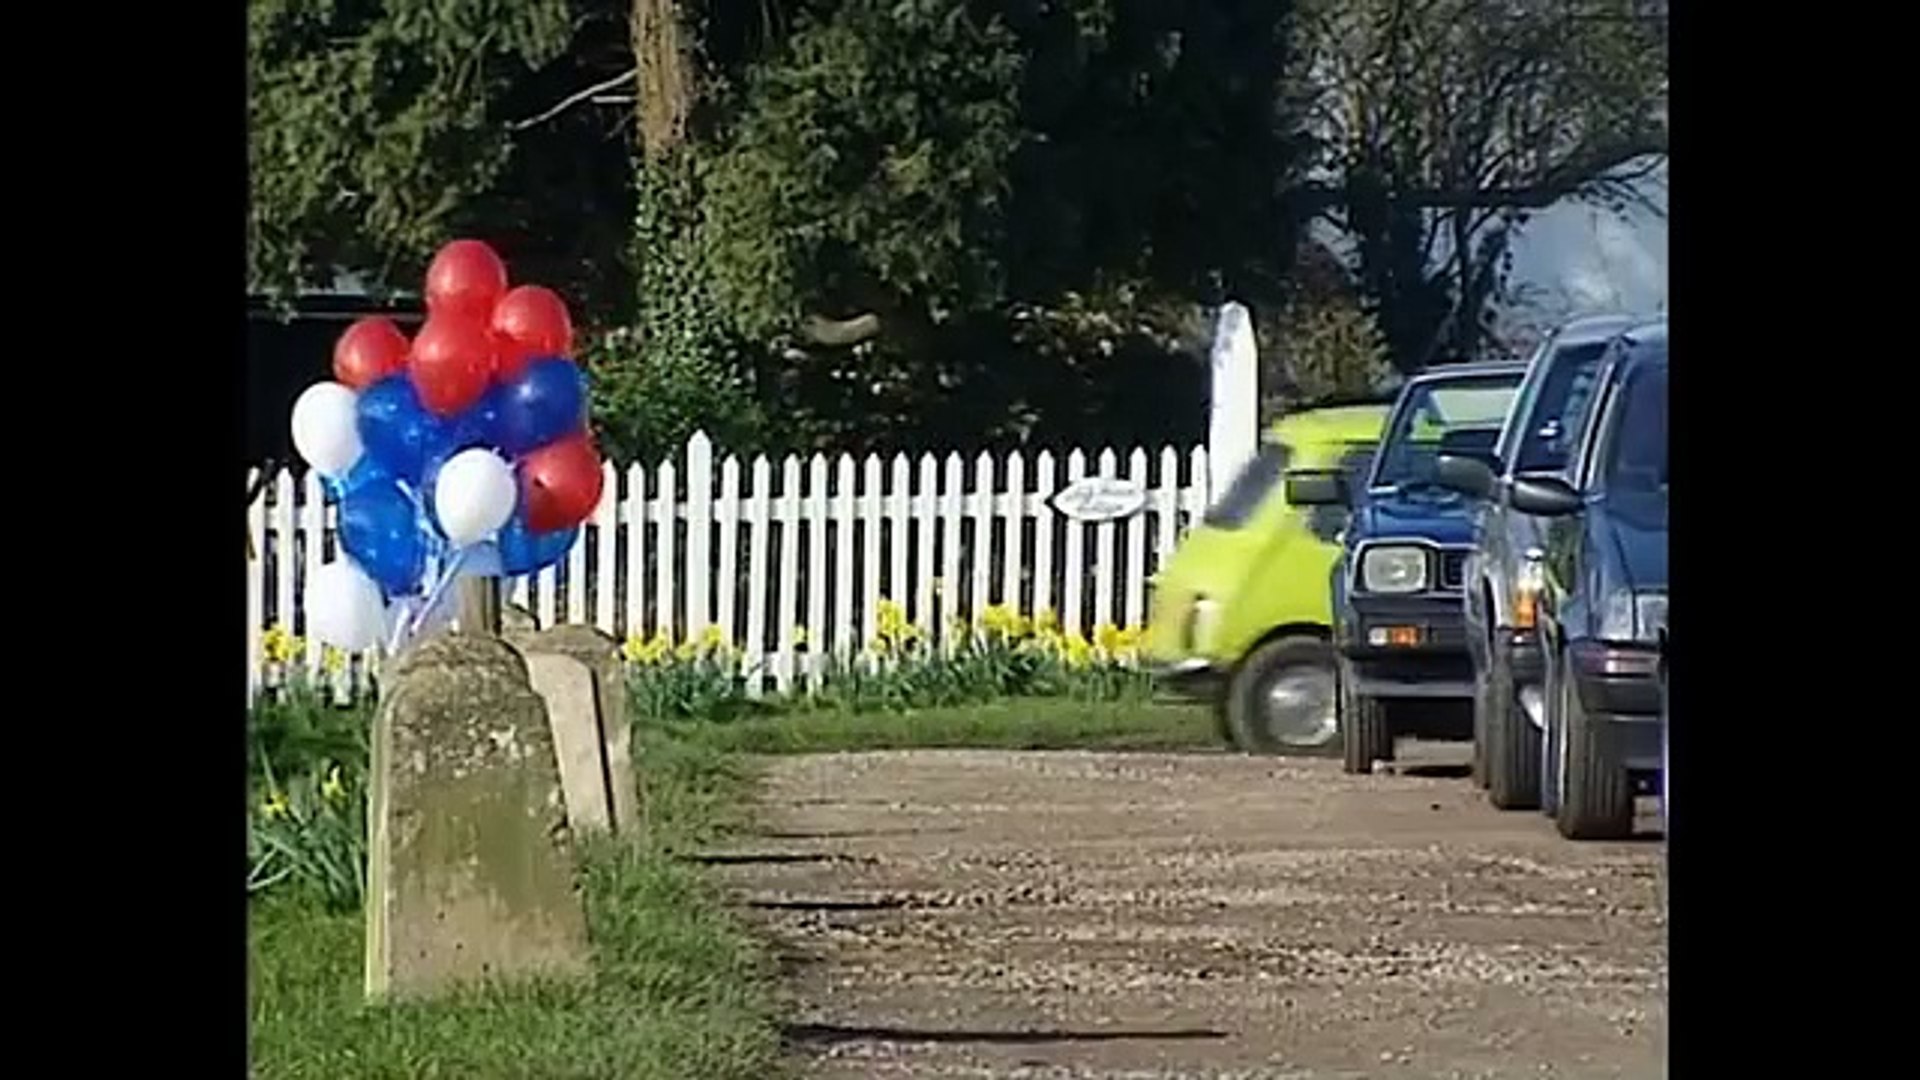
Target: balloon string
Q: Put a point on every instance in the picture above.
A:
(448, 574)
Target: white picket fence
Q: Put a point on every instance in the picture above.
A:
(754, 550)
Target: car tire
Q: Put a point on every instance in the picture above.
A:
(1596, 794)
(1365, 734)
(1481, 707)
(1513, 745)
(1249, 711)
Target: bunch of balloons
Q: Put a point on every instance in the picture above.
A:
(463, 451)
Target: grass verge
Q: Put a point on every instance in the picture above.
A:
(1014, 724)
(679, 989)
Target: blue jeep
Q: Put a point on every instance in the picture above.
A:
(1398, 623)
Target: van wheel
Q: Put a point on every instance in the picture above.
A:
(1596, 796)
(1481, 706)
(1513, 745)
(1365, 734)
(1282, 699)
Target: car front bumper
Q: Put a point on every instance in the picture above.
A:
(1192, 677)
(1406, 647)
(1619, 687)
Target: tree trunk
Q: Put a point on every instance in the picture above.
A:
(664, 76)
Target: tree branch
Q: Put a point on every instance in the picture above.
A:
(840, 333)
(573, 99)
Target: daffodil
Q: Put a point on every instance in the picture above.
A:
(333, 787)
(801, 637)
(1046, 621)
(1107, 637)
(333, 660)
(279, 645)
(274, 805)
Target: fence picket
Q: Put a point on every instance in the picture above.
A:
(817, 643)
(841, 584)
(699, 564)
(900, 510)
(666, 520)
(606, 521)
(726, 515)
(759, 528)
(1013, 520)
(981, 557)
(1072, 612)
(1043, 473)
(635, 517)
(947, 591)
(788, 583)
(871, 497)
(925, 507)
(1133, 597)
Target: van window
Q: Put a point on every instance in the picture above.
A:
(1249, 489)
(1557, 414)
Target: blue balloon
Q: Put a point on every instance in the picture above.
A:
(479, 425)
(364, 472)
(380, 529)
(523, 551)
(398, 432)
(548, 401)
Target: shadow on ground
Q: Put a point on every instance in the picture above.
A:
(820, 1035)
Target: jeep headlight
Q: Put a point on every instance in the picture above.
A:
(1633, 617)
(1393, 569)
(1202, 619)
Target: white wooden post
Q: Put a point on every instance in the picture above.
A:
(925, 510)
(981, 561)
(1013, 516)
(759, 529)
(1234, 397)
(666, 516)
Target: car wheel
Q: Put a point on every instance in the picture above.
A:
(1596, 794)
(1513, 745)
(1281, 700)
(1365, 735)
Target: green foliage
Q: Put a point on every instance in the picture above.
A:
(374, 128)
(868, 159)
(1333, 349)
(678, 369)
(306, 818)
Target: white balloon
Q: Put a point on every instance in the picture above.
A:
(474, 495)
(344, 607)
(324, 429)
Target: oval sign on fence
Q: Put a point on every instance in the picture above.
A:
(1099, 498)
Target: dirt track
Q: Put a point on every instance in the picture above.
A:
(991, 914)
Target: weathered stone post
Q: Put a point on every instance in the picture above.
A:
(469, 869)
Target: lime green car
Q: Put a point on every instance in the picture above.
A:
(1242, 612)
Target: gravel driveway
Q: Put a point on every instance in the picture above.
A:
(1025, 914)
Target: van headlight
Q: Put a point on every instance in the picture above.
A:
(1202, 619)
(1633, 617)
(1391, 568)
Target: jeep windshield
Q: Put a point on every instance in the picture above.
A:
(1431, 411)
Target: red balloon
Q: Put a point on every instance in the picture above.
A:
(370, 350)
(560, 483)
(452, 363)
(466, 279)
(535, 320)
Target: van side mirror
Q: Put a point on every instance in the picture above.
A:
(1466, 475)
(1308, 488)
(1547, 496)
